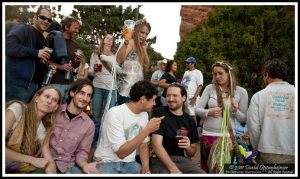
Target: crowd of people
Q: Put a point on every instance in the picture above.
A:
(48, 130)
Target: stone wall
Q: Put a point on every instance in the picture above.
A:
(192, 15)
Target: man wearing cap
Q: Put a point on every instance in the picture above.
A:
(155, 80)
(193, 82)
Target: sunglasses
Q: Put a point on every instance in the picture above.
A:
(45, 18)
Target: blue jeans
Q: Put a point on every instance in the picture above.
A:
(98, 105)
(64, 89)
(14, 92)
(119, 168)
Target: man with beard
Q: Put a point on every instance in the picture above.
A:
(72, 136)
(70, 28)
(169, 150)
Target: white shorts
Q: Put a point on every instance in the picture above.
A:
(188, 108)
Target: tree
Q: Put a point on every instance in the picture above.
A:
(18, 12)
(246, 37)
(98, 20)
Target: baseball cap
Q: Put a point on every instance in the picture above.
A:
(165, 61)
(191, 60)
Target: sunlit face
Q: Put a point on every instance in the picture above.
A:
(41, 24)
(108, 40)
(174, 98)
(148, 104)
(143, 34)
(73, 29)
(48, 101)
(220, 75)
(83, 97)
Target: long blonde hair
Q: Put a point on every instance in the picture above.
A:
(24, 135)
(143, 56)
(232, 81)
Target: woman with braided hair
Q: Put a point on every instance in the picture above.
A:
(223, 86)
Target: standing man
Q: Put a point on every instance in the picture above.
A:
(125, 129)
(193, 82)
(70, 27)
(271, 117)
(73, 134)
(25, 57)
(155, 80)
(170, 151)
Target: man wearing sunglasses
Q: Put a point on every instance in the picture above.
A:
(26, 57)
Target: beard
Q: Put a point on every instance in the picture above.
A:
(174, 107)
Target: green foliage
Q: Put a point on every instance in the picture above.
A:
(18, 12)
(98, 20)
(246, 37)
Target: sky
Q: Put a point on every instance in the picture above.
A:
(164, 19)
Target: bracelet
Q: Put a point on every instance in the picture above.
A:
(126, 42)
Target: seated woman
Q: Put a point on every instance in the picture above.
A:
(27, 130)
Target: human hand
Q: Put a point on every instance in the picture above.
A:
(193, 101)
(52, 68)
(39, 162)
(234, 105)
(215, 112)
(91, 168)
(67, 67)
(145, 171)
(44, 55)
(184, 143)
(154, 124)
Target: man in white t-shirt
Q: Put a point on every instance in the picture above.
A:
(193, 82)
(126, 128)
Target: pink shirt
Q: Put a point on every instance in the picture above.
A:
(71, 139)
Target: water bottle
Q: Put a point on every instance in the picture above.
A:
(47, 79)
(68, 74)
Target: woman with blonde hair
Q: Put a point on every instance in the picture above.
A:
(224, 86)
(27, 130)
(133, 58)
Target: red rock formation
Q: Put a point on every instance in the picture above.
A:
(192, 15)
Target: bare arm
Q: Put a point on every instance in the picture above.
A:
(163, 83)
(193, 100)
(163, 154)
(127, 148)
(123, 51)
(89, 168)
(144, 155)
(51, 167)
(86, 73)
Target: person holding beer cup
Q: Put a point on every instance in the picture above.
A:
(132, 56)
